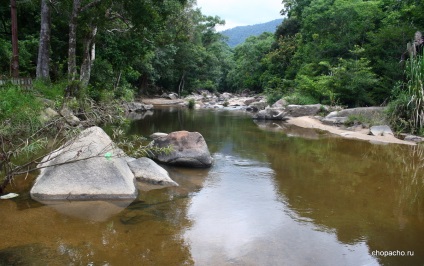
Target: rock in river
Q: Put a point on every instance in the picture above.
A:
(189, 149)
(146, 170)
(87, 168)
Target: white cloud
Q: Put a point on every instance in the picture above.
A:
(240, 13)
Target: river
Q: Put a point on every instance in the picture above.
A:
(276, 195)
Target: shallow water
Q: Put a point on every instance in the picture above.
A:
(276, 195)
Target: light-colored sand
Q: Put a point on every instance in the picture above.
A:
(162, 101)
(309, 122)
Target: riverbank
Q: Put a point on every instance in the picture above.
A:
(208, 100)
(360, 134)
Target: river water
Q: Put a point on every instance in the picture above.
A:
(276, 195)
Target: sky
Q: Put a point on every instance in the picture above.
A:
(241, 12)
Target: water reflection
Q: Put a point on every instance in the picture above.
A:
(98, 211)
(240, 218)
(271, 198)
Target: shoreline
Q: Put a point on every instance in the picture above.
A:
(313, 123)
(308, 122)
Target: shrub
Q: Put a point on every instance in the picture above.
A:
(19, 111)
(191, 103)
(300, 99)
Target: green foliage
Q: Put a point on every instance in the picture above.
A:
(406, 111)
(19, 112)
(399, 112)
(52, 91)
(135, 146)
(415, 86)
(191, 103)
(300, 99)
(248, 68)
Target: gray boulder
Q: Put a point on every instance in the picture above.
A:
(380, 130)
(48, 114)
(137, 107)
(87, 168)
(280, 103)
(146, 170)
(303, 110)
(189, 149)
(368, 112)
(271, 114)
(69, 116)
(139, 115)
(334, 120)
(158, 135)
(412, 138)
(257, 106)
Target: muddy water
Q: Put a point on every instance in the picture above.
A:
(276, 195)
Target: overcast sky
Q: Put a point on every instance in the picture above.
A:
(242, 12)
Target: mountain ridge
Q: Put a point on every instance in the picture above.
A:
(239, 34)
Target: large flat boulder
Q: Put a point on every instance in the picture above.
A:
(189, 149)
(368, 112)
(303, 110)
(87, 168)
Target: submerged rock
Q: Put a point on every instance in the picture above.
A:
(189, 149)
(87, 168)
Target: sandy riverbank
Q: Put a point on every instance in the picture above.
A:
(309, 122)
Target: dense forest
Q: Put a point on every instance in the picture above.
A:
(238, 35)
(327, 51)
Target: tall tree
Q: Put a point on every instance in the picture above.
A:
(15, 58)
(72, 61)
(43, 60)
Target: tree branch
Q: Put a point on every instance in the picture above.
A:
(90, 5)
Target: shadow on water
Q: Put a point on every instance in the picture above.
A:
(276, 195)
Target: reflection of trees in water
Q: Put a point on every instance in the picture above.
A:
(411, 183)
(407, 165)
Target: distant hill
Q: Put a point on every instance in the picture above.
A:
(239, 34)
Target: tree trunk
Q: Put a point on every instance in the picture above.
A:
(15, 58)
(88, 56)
(43, 60)
(181, 85)
(72, 64)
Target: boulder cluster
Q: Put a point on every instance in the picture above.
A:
(92, 167)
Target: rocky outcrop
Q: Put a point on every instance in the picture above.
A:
(137, 107)
(271, 114)
(146, 170)
(368, 112)
(188, 149)
(87, 168)
(302, 110)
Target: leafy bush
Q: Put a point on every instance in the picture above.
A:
(415, 85)
(19, 111)
(300, 99)
(399, 112)
(191, 103)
